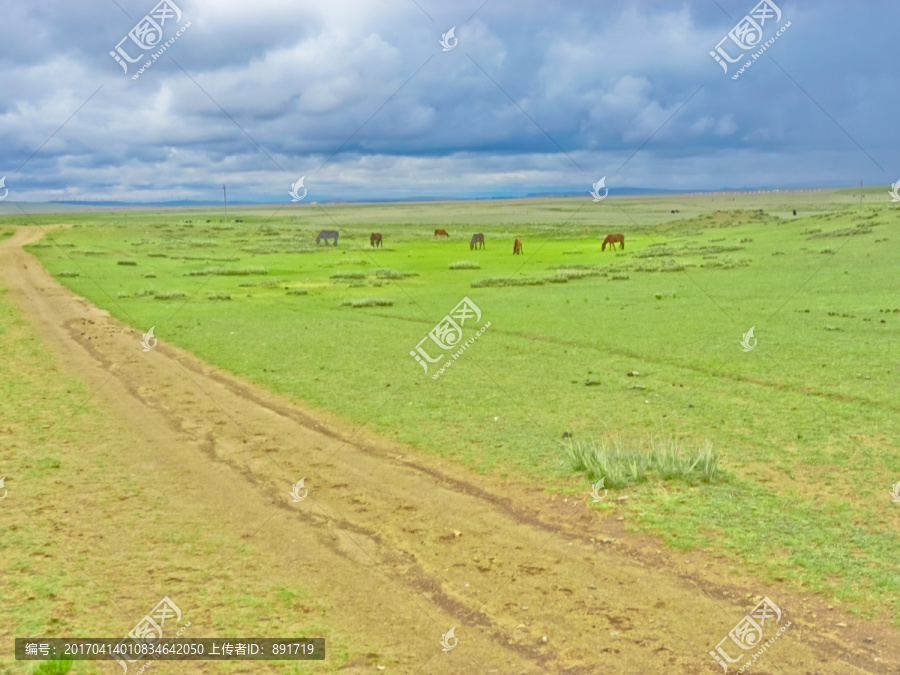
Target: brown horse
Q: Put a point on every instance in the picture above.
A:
(442, 233)
(476, 239)
(612, 240)
(517, 246)
(375, 239)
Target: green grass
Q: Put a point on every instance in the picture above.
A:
(804, 428)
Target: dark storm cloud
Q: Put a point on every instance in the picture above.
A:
(535, 97)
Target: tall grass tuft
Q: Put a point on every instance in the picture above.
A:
(622, 464)
(465, 265)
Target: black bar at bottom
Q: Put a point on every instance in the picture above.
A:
(136, 650)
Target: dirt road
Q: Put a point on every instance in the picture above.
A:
(403, 547)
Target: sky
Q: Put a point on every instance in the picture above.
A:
(363, 101)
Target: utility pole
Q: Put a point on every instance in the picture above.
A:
(860, 195)
(225, 197)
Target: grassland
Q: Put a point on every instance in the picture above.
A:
(805, 425)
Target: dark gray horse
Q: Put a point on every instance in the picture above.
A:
(476, 239)
(326, 235)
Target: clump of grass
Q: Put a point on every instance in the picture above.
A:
(169, 295)
(465, 265)
(368, 302)
(618, 277)
(227, 272)
(862, 228)
(389, 274)
(219, 295)
(157, 255)
(67, 275)
(670, 461)
(572, 252)
(297, 291)
(150, 275)
(347, 276)
(611, 460)
(565, 274)
(621, 465)
(506, 281)
(126, 262)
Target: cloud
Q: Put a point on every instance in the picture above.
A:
(361, 99)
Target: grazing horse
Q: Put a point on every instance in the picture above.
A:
(476, 239)
(375, 239)
(517, 246)
(612, 240)
(441, 233)
(326, 235)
